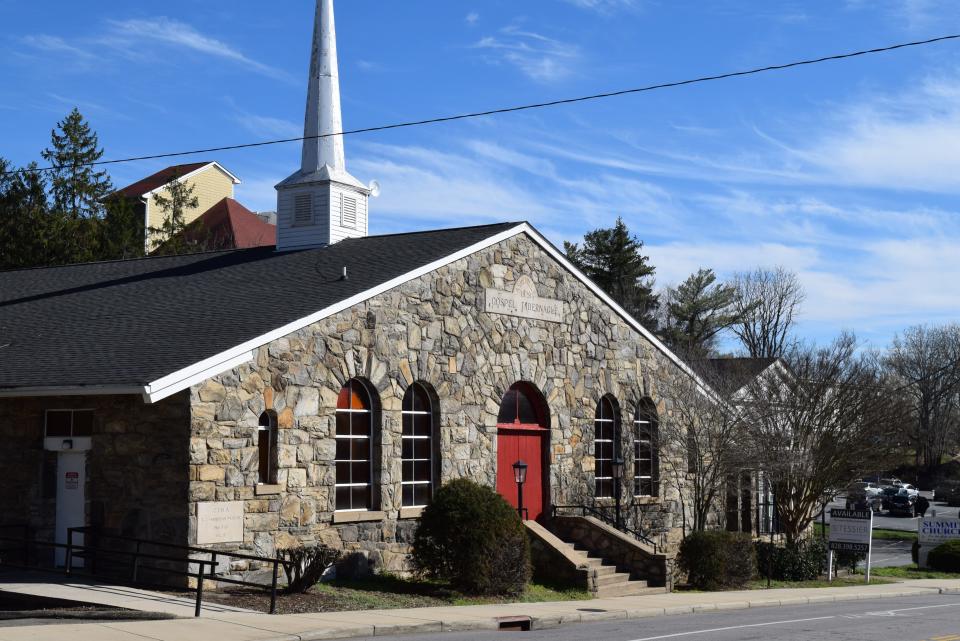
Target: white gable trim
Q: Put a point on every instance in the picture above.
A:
(225, 361)
(234, 179)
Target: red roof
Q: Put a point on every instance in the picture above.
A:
(230, 225)
(159, 179)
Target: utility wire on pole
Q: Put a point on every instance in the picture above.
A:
(514, 109)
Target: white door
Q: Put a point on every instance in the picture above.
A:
(71, 480)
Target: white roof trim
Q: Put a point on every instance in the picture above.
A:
(236, 181)
(188, 376)
(92, 390)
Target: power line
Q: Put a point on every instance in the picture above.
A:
(528, 107)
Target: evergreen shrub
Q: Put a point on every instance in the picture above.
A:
(804, 560)
(470, 537)
(945, 557)
(717, 560)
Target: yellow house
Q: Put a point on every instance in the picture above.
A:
(211, 184)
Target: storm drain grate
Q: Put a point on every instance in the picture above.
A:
(514, 624)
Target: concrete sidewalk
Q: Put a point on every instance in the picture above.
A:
(241, 626)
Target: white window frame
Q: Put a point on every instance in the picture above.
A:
(642, 426)
(352, 437)
(404, 412)
(612, 441)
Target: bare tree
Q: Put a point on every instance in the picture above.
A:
(702, 420)
(927, 362)
(767, 304)
(827, 421)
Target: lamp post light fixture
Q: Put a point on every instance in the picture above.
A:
(520, 476)
(617, 465)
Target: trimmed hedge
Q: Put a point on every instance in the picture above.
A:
(945, 557)
(470, 537)
(716, 559)
(804, 561)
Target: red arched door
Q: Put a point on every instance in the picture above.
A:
(523, 434)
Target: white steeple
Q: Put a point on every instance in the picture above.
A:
(322, 204)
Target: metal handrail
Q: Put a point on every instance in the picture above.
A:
(589, 510)
(138, 554)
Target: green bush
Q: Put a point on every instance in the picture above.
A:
(304, 566)
(804, 561)
(945, 557)
(716, 559)
(472, 538)
(915, 551)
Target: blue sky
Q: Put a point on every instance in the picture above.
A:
(848, 173)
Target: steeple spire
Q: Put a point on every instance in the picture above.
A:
(323, 116)
(321, 203)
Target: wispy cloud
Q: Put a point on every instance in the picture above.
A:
(55, 44)
(605, 6)
(132, 39)
(472, 18)
(914, 15)
(537, 56)
(167, 31)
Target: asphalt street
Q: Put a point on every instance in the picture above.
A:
(927, 618)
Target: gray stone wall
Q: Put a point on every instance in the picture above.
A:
(434, 330)
(137, 472)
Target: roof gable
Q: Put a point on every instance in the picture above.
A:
(140, 318)
(152, 183)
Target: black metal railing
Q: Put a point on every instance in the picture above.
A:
(140, 558)
(599, 513)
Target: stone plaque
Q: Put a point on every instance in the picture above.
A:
(219, 522)
(524, 302)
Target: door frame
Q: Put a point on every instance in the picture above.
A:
(544, 434)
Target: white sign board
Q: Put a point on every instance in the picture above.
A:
(851, 530)
(219, 522)
(933, 531)
(523, 302)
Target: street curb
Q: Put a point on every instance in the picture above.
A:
(555, 620)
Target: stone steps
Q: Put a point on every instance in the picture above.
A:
(610, 581)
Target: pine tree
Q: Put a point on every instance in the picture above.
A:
(174, 201)
(612, 258)
(30, 234)
(121, 231)
(77, 188)
(696, 312)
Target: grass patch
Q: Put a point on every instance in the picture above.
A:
(878, 533)
(912, 572)
(839, 582)
(384, 592)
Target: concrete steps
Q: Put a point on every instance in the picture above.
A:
(610, 581)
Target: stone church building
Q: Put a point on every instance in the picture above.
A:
(322, 389)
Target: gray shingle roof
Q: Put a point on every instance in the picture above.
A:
(728, 375)
(128, 323)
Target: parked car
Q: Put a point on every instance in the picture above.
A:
(896, 500)
(862, 494)
(912, 490)
(890, 482)
(947, 492)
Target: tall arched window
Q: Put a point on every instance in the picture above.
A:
(419, 451)
(355, 447)
(267, 447)
(606, 436)
(646, 453)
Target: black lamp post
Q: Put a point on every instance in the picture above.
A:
(617, 465)
(520, 476)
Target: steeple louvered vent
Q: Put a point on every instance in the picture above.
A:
(348, 211)
(303, 210)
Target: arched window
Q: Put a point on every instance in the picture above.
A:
(355, 447)
(522, 405)
(420, 453)
(606, 436)
(646, 453)
(267, 447)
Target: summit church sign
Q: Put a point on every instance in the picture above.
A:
(524, 302)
